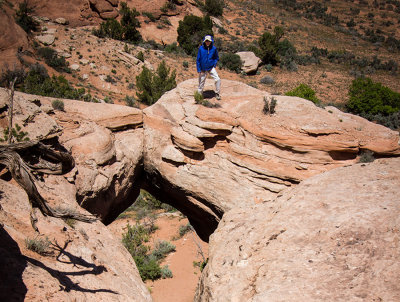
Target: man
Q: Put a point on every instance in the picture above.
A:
(207, 59)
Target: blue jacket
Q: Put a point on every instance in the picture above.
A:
(207, 58)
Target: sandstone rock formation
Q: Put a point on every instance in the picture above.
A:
(210, 160)
(85, 262)
(12, 38)
(205, 162)
(250, 61)
(104, 140)
(334, 237)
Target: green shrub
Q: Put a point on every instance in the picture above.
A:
(368, 97)
(304, 91)
(110, 29)
(140, 56)
(391, 121)
(8, 75)
(108, 100)
(191, 30)
(183, 229)
(166, 272)
(38, 82)
(134, 238)
(126, 30)
(269, 46)
(230, 61)
(149, 268)
(151, 86)
(162, 248)
(52, 59)
(366, 156)
(173, 48)
(38, 245)
(185, 64)
(150, 16)
(214, 7)
(147, 264)
(198, 97)
(58, 105)
(267, 80)
(130, 101)
(24, 19)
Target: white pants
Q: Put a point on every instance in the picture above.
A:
(202, 80)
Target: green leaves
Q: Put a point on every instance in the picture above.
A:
(151, 86)
(124, 31)
(304, 91)
(190, 32)
(368, 97)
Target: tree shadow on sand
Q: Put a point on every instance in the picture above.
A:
(13, 264)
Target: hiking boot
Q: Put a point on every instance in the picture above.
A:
(217, 96)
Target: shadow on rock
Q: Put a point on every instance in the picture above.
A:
(209, 94)
(12, 266)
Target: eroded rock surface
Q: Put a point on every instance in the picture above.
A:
(210, 160)
(334, 237)
(85, 262)
(105, 140)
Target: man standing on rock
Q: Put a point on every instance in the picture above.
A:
(207, 59)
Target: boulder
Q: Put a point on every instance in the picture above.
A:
(46, 39)
(61, 21)
(334, 237)
(250, 61)
(104, 8)
(75, 67)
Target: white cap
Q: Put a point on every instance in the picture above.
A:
(207, 38)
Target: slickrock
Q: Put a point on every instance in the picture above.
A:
(84, 262)
(236, 155)
(334, 237)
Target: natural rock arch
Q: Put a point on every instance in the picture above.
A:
(203, 161)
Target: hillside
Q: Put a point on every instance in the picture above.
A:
(353, 34)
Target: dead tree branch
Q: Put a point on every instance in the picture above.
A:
(22, 173)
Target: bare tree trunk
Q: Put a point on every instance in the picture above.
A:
(22, 173)
(10, 112)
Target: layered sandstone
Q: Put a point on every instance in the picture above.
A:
(210, 160)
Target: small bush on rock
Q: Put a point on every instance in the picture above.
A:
(58, 105)
(38, 245)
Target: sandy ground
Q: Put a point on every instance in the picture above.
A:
(182, 286)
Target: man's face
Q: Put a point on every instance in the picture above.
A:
(208, 43)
